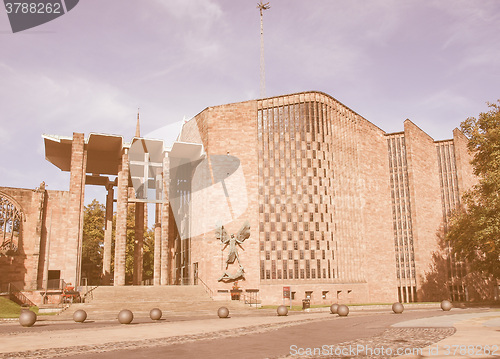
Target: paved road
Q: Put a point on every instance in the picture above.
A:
(261, 335)
(276, 343)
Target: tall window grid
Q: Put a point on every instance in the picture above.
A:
(296, 188)
(401, 217)
(450, 200)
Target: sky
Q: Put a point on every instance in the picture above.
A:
(433, 62)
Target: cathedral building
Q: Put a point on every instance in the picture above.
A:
(339, 210)
(285, 198)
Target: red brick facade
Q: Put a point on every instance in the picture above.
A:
(339, 210)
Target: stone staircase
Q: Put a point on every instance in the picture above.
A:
(107, 301)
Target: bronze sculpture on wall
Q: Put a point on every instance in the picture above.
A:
(233, 242)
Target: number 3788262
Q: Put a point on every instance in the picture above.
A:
(33, 8)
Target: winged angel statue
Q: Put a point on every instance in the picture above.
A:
(233, 242)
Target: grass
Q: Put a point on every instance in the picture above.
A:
(9, 309)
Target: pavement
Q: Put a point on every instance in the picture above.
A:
(477, 336)
(424, 332)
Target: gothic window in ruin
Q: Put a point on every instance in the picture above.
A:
(10, 226)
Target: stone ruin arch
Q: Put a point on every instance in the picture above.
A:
(11, 219)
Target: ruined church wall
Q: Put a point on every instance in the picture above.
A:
(25, 268)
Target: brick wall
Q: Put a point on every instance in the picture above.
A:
(425, 192)
(57, 228)
(466, 178)
(46, 219)
(71, 271)
(226, 130)
(348, 177)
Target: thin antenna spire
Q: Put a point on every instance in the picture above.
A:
(138, 126)
(261, 6)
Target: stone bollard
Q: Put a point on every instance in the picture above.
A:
(343, 310)
(223, 312)
(27, 318)
(125, 316)
(282, 310)
(334, 308)
(155, 314)
(446, 305)
(80, 316)
(398, 308)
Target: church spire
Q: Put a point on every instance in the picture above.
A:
(138, 126)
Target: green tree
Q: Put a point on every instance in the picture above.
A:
(129, 249)
(148, 249)
(474, 230)
(93, 244)
(93, 241)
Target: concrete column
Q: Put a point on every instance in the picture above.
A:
(172, 233)
(157, 255)
(38, 250)
(80, 232)
(165, 216)
(72, 270)
(139, 243)
(108, 231)
(121, 221)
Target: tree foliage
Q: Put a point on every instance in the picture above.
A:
(93, 244)
(148, 249)
(93, 241)
(474, 229)
(129, 249)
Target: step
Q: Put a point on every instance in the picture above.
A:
(109, 311)
(149, 294)
(107, 301)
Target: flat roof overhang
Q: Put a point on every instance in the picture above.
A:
(58, 151)
(103, 152)
(186, 151)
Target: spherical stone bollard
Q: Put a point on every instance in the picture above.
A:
(79, 316)
(334, 308)
(446, 305)
(27, 318)
(155, 314)
(282, 310)
(398, 308)
(223, 312)
(125, 316)
(343, 310)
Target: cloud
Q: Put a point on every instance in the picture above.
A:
(479, 57)
(167, 133)
(444, 100)
(469, 33)
(47, 99)
(333, 41)
(5, 136)
(202, 12)
(388, 59)
(6, 68)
